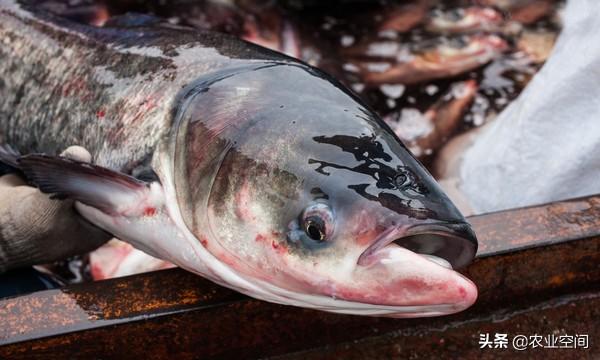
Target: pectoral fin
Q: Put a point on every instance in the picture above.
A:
(132, 210)
(107, 190)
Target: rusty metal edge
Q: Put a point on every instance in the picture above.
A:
(548, 224)
(101, 323)
(236, 320)
(445, 342)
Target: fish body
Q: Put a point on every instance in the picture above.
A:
(83, 90)
(404, 17)
(389, 63)
(523, 11)
(234, 162)
(465, 20)
(117, 258)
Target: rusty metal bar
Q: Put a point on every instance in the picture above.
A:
(563, 316)
(528, 257)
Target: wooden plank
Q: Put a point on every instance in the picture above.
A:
(527, 256)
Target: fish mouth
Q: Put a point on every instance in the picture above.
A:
(451, 244)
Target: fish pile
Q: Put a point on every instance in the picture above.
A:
(404, 59)
(408, 59)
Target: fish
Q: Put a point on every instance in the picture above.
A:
(463, 20)
(117, 258)
(387, 62)
(523, 11)
(404, 17)
(91, 13)
(232, 161)
(426, 133)
(269, 28)
(214, 15)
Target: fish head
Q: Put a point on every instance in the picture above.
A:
(291, 183)
(482, 47)
(465, 19)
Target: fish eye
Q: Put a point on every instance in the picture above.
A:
(317, 222)
(314, 227)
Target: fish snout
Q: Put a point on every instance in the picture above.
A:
(452, 244)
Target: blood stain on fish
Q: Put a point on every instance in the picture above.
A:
(260, 238)
(149, 211)
(204, 242)
(280, 249)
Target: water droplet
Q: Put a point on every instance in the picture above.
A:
(358, 87)
(347, 40)
(350, 67)
(431, 89)
(393, 91)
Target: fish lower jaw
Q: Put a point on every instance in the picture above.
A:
(413, 283)
(342, 305)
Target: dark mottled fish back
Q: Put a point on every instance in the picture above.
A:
(111, 90)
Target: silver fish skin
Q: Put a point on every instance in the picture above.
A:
(232, 161)
(111, 90)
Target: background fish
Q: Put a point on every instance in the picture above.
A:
(445, 59)
(464, 20)
(424, 133)
(117, 258)
(234, 162)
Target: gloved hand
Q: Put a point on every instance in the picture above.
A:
(35, 229)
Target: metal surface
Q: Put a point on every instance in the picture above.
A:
(564, 316)
(537, 272)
